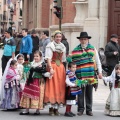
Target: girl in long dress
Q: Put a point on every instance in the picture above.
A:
(20, 60)
(33, 93)
(112, 107)
(11, 86)
(55, 86)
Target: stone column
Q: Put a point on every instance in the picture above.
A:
(103, 22)
(91, 24)
(93, 8)
(81, 11)
(39, 13)
(33, 7)
(25, 2)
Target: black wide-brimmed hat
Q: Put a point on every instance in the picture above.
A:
(84, 35)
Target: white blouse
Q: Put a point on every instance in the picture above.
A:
(110, 78)
(97, 60)
(49, 54)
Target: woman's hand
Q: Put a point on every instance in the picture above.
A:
(51, 71)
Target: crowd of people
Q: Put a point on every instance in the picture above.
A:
(34, 78)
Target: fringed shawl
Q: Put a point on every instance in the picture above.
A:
(84, 61)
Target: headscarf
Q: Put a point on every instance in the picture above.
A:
(4, 79)
(57, 32)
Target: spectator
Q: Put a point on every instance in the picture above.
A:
(35, 40)
(66, 44)
(26, 45)
(18, 39)
(9, 49)
(112, 52)
(46, 40)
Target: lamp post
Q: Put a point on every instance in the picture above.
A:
(58, 11)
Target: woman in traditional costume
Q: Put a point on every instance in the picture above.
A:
(55, 85)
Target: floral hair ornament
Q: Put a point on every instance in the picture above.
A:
(57, 32)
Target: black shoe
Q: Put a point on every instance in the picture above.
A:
(24, 113)
(68, 114)
(72, 113)
(37, 113)
(80, 113)
(89, 113)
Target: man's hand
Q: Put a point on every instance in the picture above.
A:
(100, 75)
(95, 86)
(115, 53)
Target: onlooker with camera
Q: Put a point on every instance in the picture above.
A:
(112, 52)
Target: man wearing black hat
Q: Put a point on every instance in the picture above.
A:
(112, 52)
(87, 60)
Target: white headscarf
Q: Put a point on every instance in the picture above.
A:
(4, 79)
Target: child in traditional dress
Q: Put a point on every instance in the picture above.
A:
(112, 107)
(33, 93)
(20, 60)
(72, 89)
(10, 99)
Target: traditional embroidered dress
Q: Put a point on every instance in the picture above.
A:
(85, 63)
(22, 81)
(55, 87)
(112, 107)
(12, 88)
(33, 93)
(71, 89)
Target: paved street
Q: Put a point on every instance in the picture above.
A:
(98, 109)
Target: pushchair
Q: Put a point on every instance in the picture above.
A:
(105, 68)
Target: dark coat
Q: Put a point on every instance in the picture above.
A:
(110, 48)
(35, 43)
(66, 44)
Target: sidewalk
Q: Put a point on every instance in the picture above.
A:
(101, 95)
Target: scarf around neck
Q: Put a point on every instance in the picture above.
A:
(57, 47)
(35, 64)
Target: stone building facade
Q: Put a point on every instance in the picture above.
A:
(78, 15)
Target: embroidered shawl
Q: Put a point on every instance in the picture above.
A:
(84, 61)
